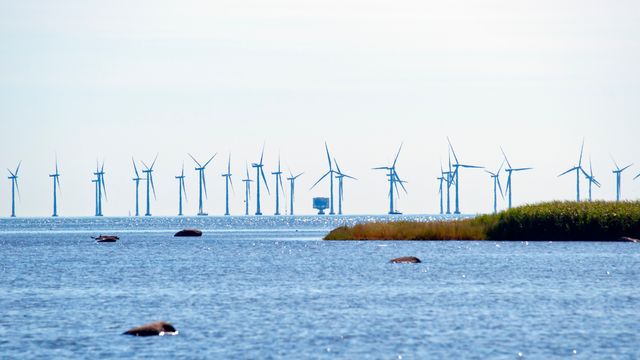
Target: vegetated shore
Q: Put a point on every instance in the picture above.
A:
(551, 221)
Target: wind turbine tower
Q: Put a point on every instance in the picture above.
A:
(456, 175)
(202, 182)
(227, 181)
(14, 188)
(496, 185)
(247, 191)
(341, 176)
(510, 170)
(279, 186)
(591, 178)
(181, 190)
(100, 188)
(292, 188)
(260, 175)
(394, 180)
(618, 173)
(137, 181)
(148, 171)
(56, 187)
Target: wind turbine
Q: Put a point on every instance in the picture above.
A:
(496, 185)
(95, 196)
(278, 175)
(148, 171)
(14, 188)
(247, 191)
(510, 170)
(450, 180)
(260, 174)
(394, 180)
(330, 174)
(591, 178)
(292, 182)
(578, 168)
(340, 176)
(202, 182)
(618, 173)
(181, 190)
(227, 180)
(137, 181)
(56, 187)
(440, 192)
(100, 188)
(456, 174)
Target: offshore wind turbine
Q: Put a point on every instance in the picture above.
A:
(56, 187)
(341, 176)
(202, 182)
(591, 178)
(450, 180)
(278, 175)
(330, 174)
(260, 174)
(394, 180)
(137, 181)
(181, 190)
(510, 170)
(496, 185)
(247, 190)
(148, 171)
(578, 169)
(440, 192)
(227, 181)
(292, 188)
(100, 188)
(14, 188)
(618, 173)
(456, 174)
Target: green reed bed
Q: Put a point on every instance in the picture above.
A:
(592, 221)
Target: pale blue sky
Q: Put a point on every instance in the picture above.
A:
(108, 80)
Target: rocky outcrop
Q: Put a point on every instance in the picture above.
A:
(188, 232)
(158, 328)
(106, 238)
(406, 260)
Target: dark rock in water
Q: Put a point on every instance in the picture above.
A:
(158, 328)
(106, 238)
(406, 260)
(629, 239)
(188, 232)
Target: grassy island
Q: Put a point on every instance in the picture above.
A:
(558, 221)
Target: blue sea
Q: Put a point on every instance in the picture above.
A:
(269, 287)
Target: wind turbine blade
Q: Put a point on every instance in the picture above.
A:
(337, 166)
(152, 186)
(229, 165)
(500, 186)
(584, 173)
(490, 173)
(135, 168)
(626, 167)
(297, 176)
(349, 177)
(522, 169)
(453, 151)
(317, 182)
(262, 154)
(17, 188)
(637, 176)
(56, 164)
(104, 187)
(18, 168)
(597, 183)
(400, 181)
(326, 147)
(380, 168)
(397, 155)
(154, 161)
(207, 163)
(505, 157)
(184, 189)
(12, 174)
(581, 151)
(500, 168)
(204, 184)
(231, 182)
(471, 166)
(194, 159)
(264, 178)
(568, 171)
(144, 164)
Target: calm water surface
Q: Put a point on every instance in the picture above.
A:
(270, 288)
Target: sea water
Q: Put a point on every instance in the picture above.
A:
(269, 287)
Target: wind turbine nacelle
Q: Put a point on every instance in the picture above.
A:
(321, 204)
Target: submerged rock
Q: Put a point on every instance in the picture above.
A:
(629, 239)
(406, 260)
(188, 232)
(158, 328)
(106, 238)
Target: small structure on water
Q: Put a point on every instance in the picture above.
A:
(321, 204)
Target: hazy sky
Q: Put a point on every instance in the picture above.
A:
(114, 79)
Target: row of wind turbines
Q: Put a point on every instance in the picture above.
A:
(447, 179)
